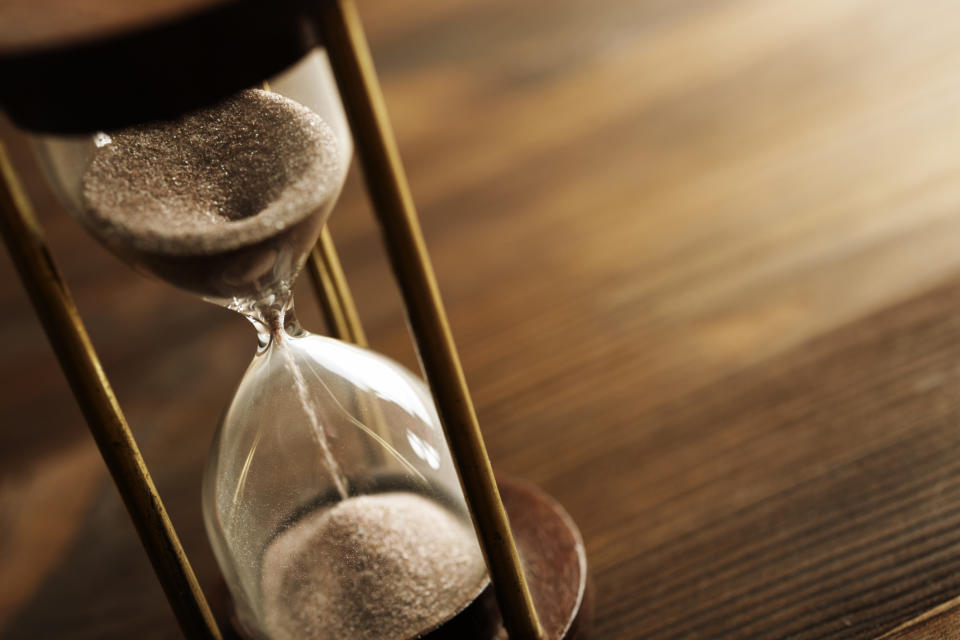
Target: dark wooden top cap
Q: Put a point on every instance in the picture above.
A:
(77, 67)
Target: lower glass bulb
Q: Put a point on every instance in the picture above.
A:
(331, 500)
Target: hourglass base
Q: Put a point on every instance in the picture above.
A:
(554, 561)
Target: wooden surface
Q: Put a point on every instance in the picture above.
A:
(701, 263)
(25, 25)
(942, 622)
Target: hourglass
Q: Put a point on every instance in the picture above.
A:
(331, 499)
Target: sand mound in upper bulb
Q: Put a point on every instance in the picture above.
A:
(217, 179)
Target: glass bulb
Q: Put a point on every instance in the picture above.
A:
(331, 492)
(225, 202)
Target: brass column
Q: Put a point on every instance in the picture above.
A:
(64, 329)
(352, 64)
(333, 293)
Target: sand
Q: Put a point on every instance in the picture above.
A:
(217, 179)
(379, 566)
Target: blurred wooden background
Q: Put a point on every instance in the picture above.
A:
(701, 261)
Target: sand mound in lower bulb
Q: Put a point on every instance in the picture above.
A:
(383, 566)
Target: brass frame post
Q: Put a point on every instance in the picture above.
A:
(336, 301)
(343, 322)
(65, 330)
(346, 44)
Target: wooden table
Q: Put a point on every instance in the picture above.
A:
(701, 260)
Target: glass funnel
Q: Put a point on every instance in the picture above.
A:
(330, 498)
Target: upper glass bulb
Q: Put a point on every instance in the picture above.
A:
(225, 201)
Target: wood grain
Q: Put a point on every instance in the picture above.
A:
(941, 622)
(700, 262)
(27, 24)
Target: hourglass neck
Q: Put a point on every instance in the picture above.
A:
(273, 317)
(277, 326)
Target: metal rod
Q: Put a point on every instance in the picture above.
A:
(340, 314)
(333, 292)
(352, 65)
(64, 328)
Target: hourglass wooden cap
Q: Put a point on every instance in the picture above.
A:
(75, 66)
